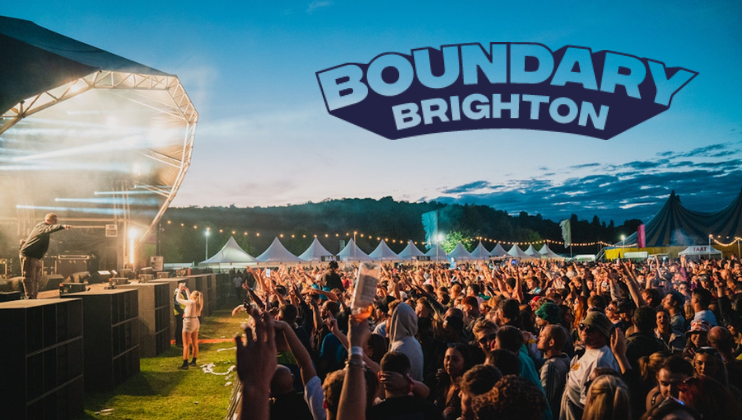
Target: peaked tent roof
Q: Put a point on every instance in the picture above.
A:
(352, 252)
(516, 252)
(532, 251)
(231, 252)
(315, 252)
(498, 251)
(383, 253)
(410, 251)
(460, 253)
(437, 253)
(277, 253)
(700, 250)
(548, 253)
(480, 252)
(674, 225)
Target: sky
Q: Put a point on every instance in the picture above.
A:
(265, 137)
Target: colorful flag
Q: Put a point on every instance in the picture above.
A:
(566, 232)
(430, 224)
(641, 237)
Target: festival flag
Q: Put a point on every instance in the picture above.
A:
(566, 232)
(641, 237)
(430, 224)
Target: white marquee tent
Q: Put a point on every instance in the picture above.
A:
(383, 253)
(277, 253)
(315, 252)
(700, 251)
(546, 252)
(498, 251)
(532, 252)
(460, 253)
(231, 255)
(436, 253)
(410, 251)
(516, 252)
(351, 252)
(480, 252)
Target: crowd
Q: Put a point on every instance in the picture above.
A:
(504, 340)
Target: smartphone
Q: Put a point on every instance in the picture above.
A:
(267, 272)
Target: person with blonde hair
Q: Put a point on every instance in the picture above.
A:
(607, 399)
(191, 325)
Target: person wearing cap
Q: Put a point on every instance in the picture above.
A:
(697, 338)
(33, 250)
(331, 278)
(548, 314)
(625, 313)
(595, 332)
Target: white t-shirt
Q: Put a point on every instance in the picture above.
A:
(315, 398)
(575, 391)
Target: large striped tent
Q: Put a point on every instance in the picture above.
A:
(674, 225)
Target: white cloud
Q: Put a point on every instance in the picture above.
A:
(317, 4)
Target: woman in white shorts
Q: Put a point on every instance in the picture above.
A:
(193, 306)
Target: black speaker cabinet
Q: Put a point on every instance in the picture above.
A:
(42, 374)
(111, 332)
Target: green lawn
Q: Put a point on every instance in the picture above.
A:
(162, 391)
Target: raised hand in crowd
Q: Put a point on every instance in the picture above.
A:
(256, 363)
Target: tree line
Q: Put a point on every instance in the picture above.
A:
(382, 218)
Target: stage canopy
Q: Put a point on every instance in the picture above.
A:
(674, 225)
(231, 254)
(87, 134)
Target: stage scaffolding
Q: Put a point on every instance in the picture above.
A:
(100, 140)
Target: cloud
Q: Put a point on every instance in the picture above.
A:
(477, 185)
(633, 190)
(584, 165)
(317, 5)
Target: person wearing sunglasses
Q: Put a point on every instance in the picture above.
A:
(595, 332)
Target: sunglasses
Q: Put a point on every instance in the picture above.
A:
(587, 328)
(487, 338)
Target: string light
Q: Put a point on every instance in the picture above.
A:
(736, 239)
(483, 239)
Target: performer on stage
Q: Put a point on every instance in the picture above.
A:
(33, 250)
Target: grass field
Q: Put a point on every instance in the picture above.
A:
(162, 391)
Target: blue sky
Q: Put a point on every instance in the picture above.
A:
(265, 138)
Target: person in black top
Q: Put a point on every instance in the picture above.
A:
(33, 250)
(286, 404)
(331, 278)
(395, 379)
(179, 310)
